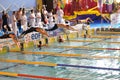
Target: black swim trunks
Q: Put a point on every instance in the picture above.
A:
(53, 28)
(5, 36)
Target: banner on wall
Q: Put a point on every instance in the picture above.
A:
(32, 36)
(109, 5)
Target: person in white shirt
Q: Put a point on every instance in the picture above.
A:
(60, 15)
(38, 18)
(14, 23)
(32, 18)
(45, 13)
(24, 21)
(18, 17)
(50, 16)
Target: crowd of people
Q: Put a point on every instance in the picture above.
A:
(22, 22)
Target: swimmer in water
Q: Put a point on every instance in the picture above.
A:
(60, 39)
(40, 45)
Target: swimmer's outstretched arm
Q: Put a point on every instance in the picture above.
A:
(42, 31)
(86, 20)
(74, 21)
(14, 38)
(71, 28)
(66, 26)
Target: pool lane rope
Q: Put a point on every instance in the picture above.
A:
(69, 55)
(55, 65)
(86, 47)
(27, 62)
(100, 41)
(107, 32)
(96, 36)
(88, 67)
(30, 76)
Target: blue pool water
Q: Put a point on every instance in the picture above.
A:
(74, 73)
(100, 25)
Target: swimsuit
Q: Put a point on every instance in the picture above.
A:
(28, 31)
(5, 36)
(53, 28)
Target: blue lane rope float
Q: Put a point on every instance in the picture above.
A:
(55, 65)
(88, 67)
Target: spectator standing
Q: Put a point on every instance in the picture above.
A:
(5, 25)
(32, 18)
(14, 23)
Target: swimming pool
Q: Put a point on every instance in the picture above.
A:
(101, 62)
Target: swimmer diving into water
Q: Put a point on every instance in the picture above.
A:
(56, 26)
(34, 29)
(11, 35)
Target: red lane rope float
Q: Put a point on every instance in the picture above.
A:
(30, 76)
(113, 48)
(40, 77)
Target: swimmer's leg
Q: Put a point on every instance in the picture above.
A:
(26, 32)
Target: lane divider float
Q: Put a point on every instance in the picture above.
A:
(69, 55)
(60, 65)
(30, 76)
